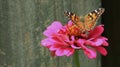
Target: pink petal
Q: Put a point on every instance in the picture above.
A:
(59, 52)
(75, 47)
(70, 23)
(105, 43)
(56, 46)
(53, 48)
(57, 38)
(73, 38)
(97, 31)
(55, 25)
(102, 50)
(103, 38)
(80, 42)
(53, 28)
(96, 42)
(61, 39)
(90, 53)
(68, 51)
(47, 42)
(49, 33)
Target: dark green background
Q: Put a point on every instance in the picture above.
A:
(23, 21)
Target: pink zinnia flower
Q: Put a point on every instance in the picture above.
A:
(58, 41)
(64, 40)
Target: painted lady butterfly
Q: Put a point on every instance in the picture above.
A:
(89, 20)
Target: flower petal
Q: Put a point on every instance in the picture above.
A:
(104, 39)
(80, 42)
(70, 23)
(54, 47)
(71, 52)
(102, 50)
(61, 39)
(96, 42)
(105, 43)
(53, 28)
(68, 51)
(90, 53)
(75, 47)
(47, 42)
(97, 31)
(59, 52)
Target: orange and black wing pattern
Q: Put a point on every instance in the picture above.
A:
(91, 18)
(89, 21)
(75, 19)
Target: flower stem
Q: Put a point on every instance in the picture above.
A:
(76, 59)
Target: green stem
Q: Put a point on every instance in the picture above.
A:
(76, 59)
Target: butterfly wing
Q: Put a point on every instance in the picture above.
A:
(75, 19)
(91, 18)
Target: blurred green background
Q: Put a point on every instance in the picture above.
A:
(23, 21)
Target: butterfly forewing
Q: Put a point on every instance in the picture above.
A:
(90, 19)
(72, 16)
(75, 19)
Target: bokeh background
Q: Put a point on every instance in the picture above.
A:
(23, 21)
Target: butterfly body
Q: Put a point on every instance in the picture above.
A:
(89, 20)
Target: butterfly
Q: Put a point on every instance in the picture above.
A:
(89, 20)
